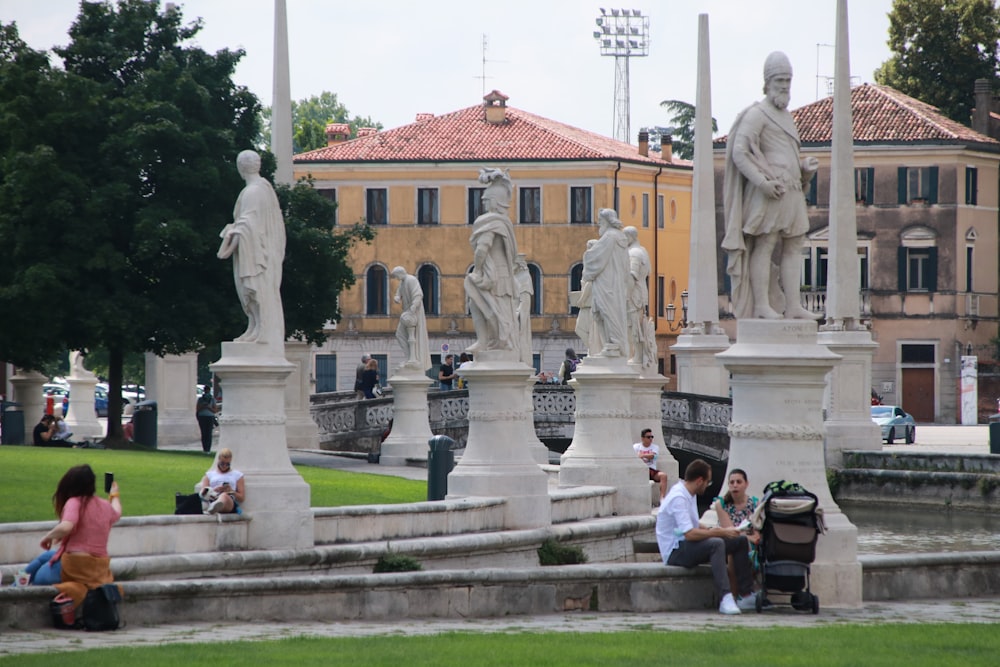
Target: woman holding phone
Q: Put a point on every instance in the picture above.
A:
(82, 533)
(222, 485)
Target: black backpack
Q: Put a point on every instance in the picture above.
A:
(568, 370)
(100, 608)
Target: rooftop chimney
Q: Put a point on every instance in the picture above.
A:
(366, 131)
(983, 99)
(337, 133)
(424, 116)
(667, 147)
(644, 143)
(495, 103)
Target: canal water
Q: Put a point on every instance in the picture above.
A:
(888, 530)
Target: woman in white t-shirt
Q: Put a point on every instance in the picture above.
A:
(222, 485)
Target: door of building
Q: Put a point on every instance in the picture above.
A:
(918, 393)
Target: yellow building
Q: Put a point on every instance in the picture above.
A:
(417, 185)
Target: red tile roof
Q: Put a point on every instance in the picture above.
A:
(465, 135)
(882, 114)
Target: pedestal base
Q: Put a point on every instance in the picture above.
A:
(82, 420)
(253, 427)
(301, 432)
(778, 378)
(170, 381)
(848, 419)
(497, 459)
(698, 369)
(601, 452)
(410, 418)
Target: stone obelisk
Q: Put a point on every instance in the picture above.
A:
(698, 371)
(848, 420)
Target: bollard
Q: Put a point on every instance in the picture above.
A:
(440, 461)
(995, 434)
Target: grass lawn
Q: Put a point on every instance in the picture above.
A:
(872, 645)
(149, 480)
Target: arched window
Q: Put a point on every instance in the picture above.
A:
(430, 283)
(575, 283)
(377, 289)
(536, 286)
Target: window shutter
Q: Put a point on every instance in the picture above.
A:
(933, 189)
(932, 270)
(901, 268)
(870, 193)
(902, 186)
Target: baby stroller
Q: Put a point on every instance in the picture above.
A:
(790, 522)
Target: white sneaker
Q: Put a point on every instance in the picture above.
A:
(747, 603)
(728, 605)
(215, 506)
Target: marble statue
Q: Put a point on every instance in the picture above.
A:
(76, 369)
(606, 268)
(490, 288)
(641, 330)
(524, 293)
(764, 179)
(412, 329)
(256, 241)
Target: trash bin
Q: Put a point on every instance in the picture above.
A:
(440, 461)
(995, 433)
(11, 423)
(144, 422)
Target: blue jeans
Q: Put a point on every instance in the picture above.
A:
(41, 572)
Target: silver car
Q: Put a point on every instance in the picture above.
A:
(895, 422)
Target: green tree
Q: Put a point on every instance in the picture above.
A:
(309, 120)
(117, 172)
(682, 129)
(939, 48)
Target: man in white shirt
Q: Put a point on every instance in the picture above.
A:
(649, 452)
(684, 542)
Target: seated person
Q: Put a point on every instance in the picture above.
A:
(221, 489)
(684, 542)
(649, 452)
(63, 434)
(733, 509)
(43, 433)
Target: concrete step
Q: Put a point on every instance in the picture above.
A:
(888, 460)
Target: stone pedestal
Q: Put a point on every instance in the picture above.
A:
(849, 422)
(82, 419)
(778, 379)
(28, 392)
(253, 427)
(539, 452)
(647, 412)
(601, 453)
(301, 432)
(172, 382)
(497, 459)
(410, 418)
(698, 369)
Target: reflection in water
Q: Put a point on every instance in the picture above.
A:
(888, 530)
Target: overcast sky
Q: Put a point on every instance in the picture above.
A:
(392, 59)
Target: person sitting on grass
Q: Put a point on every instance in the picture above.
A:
(221, 489)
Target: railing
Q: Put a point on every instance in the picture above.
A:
(691, 422)
(815, 301)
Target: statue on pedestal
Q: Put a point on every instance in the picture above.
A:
(764, 179)
(256, 241)
(606, 268)
(411, 332)
(76, 369)
(641, 330)
(490, 287)
(524, 293)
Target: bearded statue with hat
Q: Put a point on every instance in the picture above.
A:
(764, 203)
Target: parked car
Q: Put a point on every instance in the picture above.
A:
(895, 422)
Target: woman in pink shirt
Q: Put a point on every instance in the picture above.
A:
(82, 532)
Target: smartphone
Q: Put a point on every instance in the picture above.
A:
(109, 479)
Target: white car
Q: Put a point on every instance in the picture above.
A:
(895, 422)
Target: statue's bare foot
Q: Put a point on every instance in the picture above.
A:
(766, 313)
(797, 312)
(475, 347)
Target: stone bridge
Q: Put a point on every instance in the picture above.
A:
(693, 425)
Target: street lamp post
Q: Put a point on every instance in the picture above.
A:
(672, 314)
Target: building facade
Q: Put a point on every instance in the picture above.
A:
(417, 185)
(927, 220)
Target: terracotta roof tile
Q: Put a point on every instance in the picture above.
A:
(882, 114)
(465, 135)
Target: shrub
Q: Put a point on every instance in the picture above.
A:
(553, 553)
(391, 562)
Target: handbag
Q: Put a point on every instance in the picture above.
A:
(63, 613)
(100, 608)
(377, 390)
(187, 503)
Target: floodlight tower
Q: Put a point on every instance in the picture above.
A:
(624, 34)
